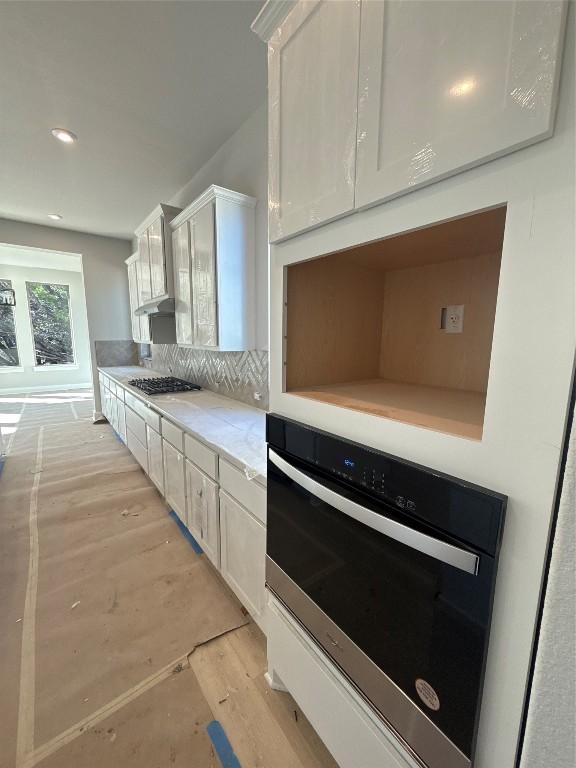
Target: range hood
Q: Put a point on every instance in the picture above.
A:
(162, 305)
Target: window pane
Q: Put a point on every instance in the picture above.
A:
(50, 316)
(8, 348)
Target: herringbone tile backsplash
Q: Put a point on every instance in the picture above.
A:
(240, 375)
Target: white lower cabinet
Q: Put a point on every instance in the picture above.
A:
(203, 511)
(137, 449)
(228, 519)
(174, 479)
(121, 419)
(103, 399)
(347, 725)
(155, 460)
(243, 555)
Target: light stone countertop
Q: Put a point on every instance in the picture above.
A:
(234, 430)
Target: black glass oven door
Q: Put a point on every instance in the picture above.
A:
(413, 601)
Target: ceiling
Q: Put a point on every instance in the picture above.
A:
(151, 89)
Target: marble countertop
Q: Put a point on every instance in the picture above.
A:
(234, 430)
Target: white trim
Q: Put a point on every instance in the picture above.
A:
(11, 368)
(45, 388)
(56, 367)
(131, 259)
(271, 17)
(212, 193)
(167, 211)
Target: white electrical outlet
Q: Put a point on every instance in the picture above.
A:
(452, 318)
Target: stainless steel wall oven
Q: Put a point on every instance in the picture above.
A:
(391, 568)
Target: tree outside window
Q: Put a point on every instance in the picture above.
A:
(49, 305)
(8, 346)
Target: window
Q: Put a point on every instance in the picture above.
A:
(8, 346)
(49, 305)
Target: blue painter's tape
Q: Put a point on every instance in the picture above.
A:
(222, 745)
(186, 533)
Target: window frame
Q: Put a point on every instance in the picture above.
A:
(13, 368)
(55, 366)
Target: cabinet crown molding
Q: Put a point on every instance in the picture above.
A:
(168, 211)
(270, 17)
(212, 193)
(131, 259)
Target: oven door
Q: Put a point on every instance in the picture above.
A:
(402, 610)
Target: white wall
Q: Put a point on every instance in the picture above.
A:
(26, 377)
(105, 277)
(241, 164)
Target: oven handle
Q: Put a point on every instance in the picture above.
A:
(440, 550)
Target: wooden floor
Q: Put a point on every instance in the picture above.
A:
(119, 645)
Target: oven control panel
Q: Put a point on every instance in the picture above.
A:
(460, 508)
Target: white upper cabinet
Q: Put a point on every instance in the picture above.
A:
(157, 258)
(214, 271)
(313, 96)
(204, 277)
(446, 86)
(370, 99)
(140, 323)
(143, 269)
(182, 284)
(155, 271)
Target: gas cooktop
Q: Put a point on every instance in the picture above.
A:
(163, 385)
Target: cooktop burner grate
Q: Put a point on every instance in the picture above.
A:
(163, 385)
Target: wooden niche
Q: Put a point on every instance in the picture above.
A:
(364, 327)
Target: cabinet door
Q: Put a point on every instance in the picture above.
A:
(155, 460)
(144, 279)
(121, 417)
(102, 399)
(133, 294)
(313, 87)
(182, 284)
(204, 288)
(448, 85)
(174, 480)
(203, 511)
(157, 258)
(243, 553)
(113, 412)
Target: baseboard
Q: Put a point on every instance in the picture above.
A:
(274, 682)
(46, 388)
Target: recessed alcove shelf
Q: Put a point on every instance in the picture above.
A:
(363, 326)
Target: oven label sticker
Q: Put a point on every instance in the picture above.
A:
(427, 694)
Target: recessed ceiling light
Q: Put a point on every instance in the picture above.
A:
(63, 135)
(463, 88)
(54, 216)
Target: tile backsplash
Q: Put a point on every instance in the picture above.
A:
(240, 375)
(116, 352)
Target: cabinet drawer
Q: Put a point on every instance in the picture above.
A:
(202, 456)
(173, 434)
(149, 416)
(247, 492)
(120, 392)
(137, 450)
(136, 425)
